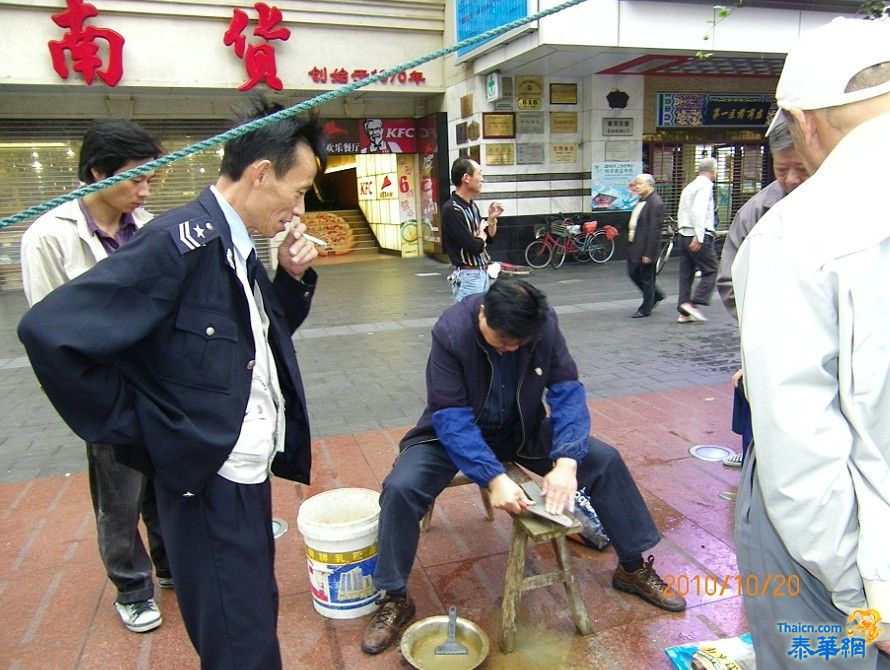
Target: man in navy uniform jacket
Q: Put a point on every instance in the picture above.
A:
(177, 350)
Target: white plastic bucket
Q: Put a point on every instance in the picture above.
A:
(339, 529)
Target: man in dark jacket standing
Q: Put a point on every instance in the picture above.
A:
(494, 359)
(644, 239)
(176, 350)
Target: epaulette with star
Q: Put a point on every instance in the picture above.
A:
(193, 234)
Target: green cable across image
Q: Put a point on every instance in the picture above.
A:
(278, 116)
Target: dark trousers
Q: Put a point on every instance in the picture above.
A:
(120, 494)
(741, 417)
(423, 470)
(704, 260)
(644, 278)
(223, 557)
(795, 595)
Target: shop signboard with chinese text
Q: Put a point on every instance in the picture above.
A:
(684, 110)
(474, 17)
(387, 136)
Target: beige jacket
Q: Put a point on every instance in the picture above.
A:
(59, 246)
(814, 312)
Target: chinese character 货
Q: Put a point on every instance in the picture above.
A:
(80, 42)
(259, 59)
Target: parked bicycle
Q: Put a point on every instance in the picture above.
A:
(563, 237)
(668, 235)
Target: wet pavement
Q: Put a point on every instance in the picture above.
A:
(655, 389)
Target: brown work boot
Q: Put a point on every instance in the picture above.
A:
(384, 627)
(646, 583)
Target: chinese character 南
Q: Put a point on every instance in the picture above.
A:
(259, 59)
(80, 42)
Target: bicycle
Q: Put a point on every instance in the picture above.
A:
(540, 251)
(668, 235)
(562, 237)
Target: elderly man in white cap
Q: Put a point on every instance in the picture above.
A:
(811, 281)
(696, 229)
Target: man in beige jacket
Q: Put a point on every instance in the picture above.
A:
(814, 501)
(59, 246)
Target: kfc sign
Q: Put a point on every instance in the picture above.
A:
(388, 136)
(366, 188)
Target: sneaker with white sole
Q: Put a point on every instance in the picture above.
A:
(165, 582)
(685, 319)
(139, 617)
(692, 311)
(734, 461)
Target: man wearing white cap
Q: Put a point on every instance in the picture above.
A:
(814, 504)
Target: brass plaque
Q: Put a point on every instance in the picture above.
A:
(563, 94)
(466, 105)
(498, 125)
(563, 122)
(500, 154)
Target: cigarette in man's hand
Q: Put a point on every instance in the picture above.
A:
(315, 240)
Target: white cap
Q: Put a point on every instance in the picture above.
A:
(821, 64)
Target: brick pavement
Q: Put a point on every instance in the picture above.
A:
(655, 388)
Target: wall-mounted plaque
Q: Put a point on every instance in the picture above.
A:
(466, 105)
(498, 125)
(563, 122)
(460, 132)
(500, 154)
(563, 94)
(473, 133)
(529, 123)
(529, 92)
(564, 153)
(529, 154)
(471, 152)
(618, 127)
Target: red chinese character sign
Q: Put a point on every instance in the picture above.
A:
(259, 59)
(80, 43)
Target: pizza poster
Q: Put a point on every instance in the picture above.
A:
(387, 136)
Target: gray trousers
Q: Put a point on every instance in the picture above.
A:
(703, 260)
(120, 494)
(761, 553)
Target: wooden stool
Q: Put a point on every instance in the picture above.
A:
(459, 480)
(530, 528)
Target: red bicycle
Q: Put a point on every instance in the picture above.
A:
(563, 237)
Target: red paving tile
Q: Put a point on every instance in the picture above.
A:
(58, 607)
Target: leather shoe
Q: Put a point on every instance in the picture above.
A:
(646, 583)
(638, 315)
(384, 627)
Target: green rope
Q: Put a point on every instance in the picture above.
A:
(278, 116)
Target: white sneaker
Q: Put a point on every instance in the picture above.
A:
(139, 617)
(691, 310)
(734, 461)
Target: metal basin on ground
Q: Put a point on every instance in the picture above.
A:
(420, 640)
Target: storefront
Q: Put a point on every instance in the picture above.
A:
(70, 61)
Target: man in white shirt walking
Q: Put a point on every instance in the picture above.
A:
(696, 227)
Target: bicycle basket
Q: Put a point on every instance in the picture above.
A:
(560, 230)
(589, 226)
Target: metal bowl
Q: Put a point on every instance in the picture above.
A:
(420, 640)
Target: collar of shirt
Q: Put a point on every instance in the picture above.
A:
(127, 222)
(240, 237)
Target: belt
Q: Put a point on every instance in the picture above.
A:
(471, 267)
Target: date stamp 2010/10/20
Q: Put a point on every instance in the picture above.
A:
(777, 586)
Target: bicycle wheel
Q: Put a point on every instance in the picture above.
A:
(602, 248)
(663, 256)
(559, 254)
(582, 245)
(538, 254)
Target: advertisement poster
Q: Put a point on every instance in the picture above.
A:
(407, 206)
(387, 136)
(610, 179)
(342, 136)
